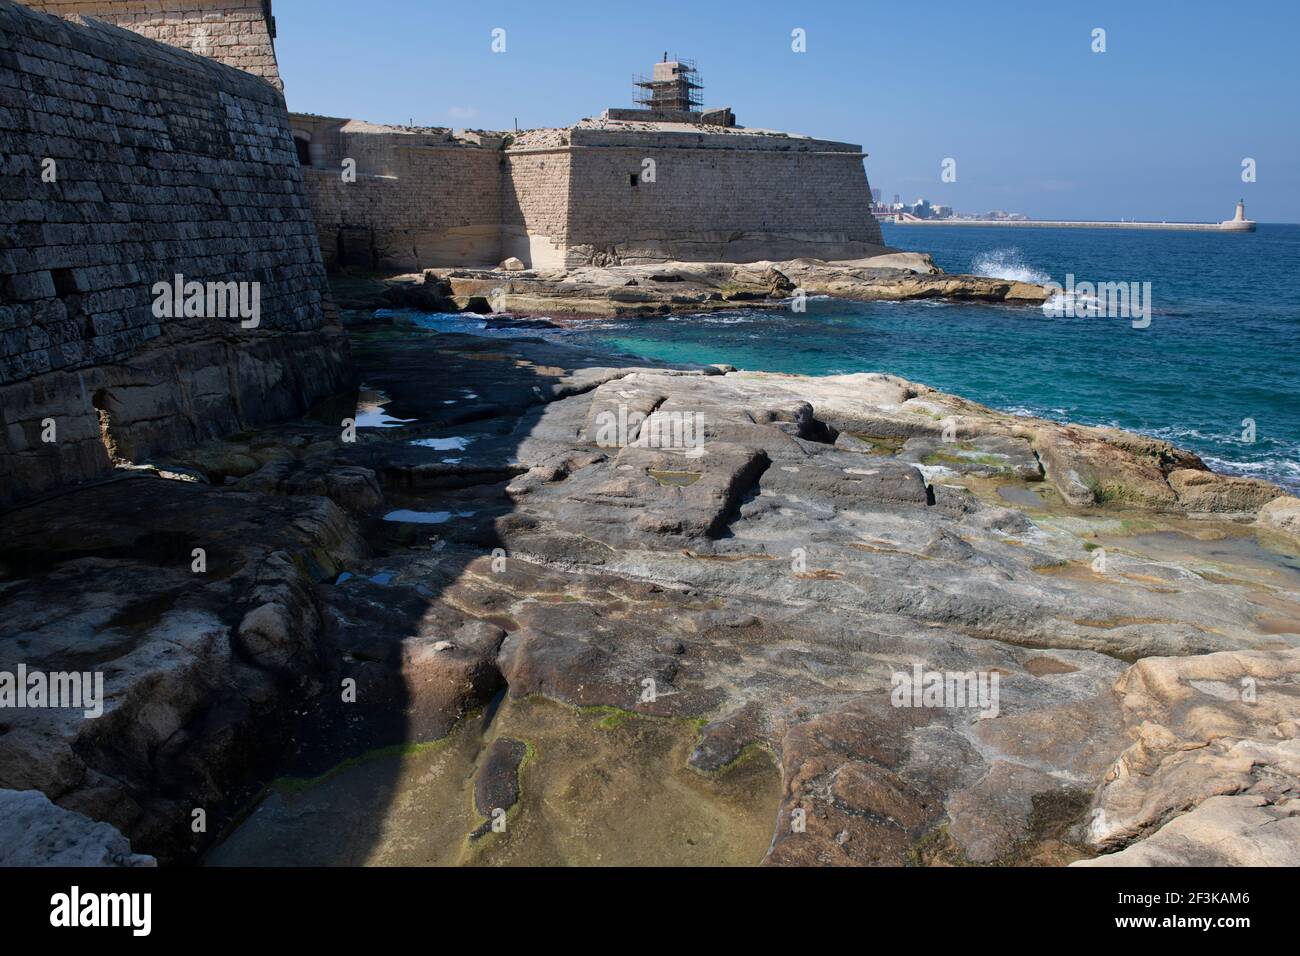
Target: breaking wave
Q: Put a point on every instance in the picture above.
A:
(1280, 471)
(1009, 264)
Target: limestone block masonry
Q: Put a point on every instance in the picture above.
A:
(239, 33)
(125, 162)
(717, 195)
(603, 191)
(419, 196)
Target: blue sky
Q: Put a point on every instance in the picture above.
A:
(1156, 127)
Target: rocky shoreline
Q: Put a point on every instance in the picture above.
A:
(490, 577)
(640, 290)
(279, 592)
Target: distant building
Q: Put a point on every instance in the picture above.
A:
(882, 210)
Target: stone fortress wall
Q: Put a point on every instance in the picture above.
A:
(536, 194)
(560, 198)
(717, 196)
(161, 163)
(552, 197)
(239, 33)
(171, 163)
(419, 196)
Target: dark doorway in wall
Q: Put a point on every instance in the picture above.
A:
(303, 146)
(356, 248)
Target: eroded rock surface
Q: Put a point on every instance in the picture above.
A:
(697, 286)
(1281, 516)
(1242, 830)
(35, 832)
(195, 663)
(758, 555)
(1224, 724)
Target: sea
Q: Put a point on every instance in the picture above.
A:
(1216, 370)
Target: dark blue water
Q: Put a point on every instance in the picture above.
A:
(1222, 347)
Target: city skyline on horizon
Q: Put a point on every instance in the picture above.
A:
(1139, 131)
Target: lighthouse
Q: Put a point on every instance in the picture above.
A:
(1239, 222)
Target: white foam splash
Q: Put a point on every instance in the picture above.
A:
(1008, 263)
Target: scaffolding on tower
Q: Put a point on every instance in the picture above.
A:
(674, 85)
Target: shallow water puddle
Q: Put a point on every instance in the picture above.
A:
(407, 516)
(675, 479)
(1237, 556)
(884, 445)
(370, 410)
(597, 788)
(443, 444)
(1020, 495)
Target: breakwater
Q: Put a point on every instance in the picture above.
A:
(1238, 223)
(1228, 226)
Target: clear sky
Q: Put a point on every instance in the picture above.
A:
(1156, 127)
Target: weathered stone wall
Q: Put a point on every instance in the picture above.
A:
(123, 163)
(419, 199)
(239, 33)
(535, 197)
(724, 197)
(561, 198)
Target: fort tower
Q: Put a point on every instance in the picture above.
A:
(239, 33)
(672, 85)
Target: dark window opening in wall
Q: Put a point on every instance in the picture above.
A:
(304, 151)
(65, 287)
(633, 179)
(65, 284)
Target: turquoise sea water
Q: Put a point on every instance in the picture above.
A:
(1223, 345)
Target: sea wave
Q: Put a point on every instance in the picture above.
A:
(1278, 463)
(1186, 434)
(468, 323)
(726, 318)
(1281, 472)
(1073, 304)
(1008, 263)
(721, 317)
